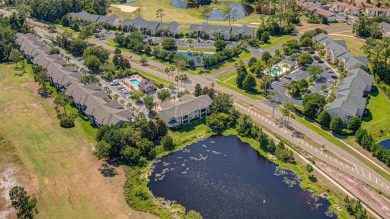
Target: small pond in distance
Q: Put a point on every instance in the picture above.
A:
(217, 15)
(385, 143)
(222, 177)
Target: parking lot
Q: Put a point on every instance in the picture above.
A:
(340, 17)
(324, 78)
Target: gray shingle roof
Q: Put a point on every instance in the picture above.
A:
(384, 26)
(349, 95)
(172, 27)
(210, 28)
(140, 22)
(145, 84)
(85, 16)
(249, 31)
(91, 96)
(287, 61)
(108, 19)
(184, 106)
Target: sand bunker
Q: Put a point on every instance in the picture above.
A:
(125, 8)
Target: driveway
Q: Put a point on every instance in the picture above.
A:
(324, 78)
(279, 86)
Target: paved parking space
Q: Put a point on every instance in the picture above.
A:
(279, 86)
(324, 78)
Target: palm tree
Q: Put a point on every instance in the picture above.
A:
(42, 77)
(167, 71)
(115, 96)
(172, 69)
(122, 101)
(99, 84)
(185, 79)
(160, 14)
(52, 29)
(83, 71)
(62, 100)
(129, 105)
(67, 58)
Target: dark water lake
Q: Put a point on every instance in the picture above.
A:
(222, 177)
(196, 56)
(385, 143)
(217, 15)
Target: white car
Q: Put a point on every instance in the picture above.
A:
(114, 83)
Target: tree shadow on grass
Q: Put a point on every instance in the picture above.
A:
(190, 127)
(107, 171)
(312, 178)
(368, 116)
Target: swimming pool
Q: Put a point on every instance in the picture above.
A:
(134, 82)
(275, 72)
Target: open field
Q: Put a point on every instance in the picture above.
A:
(183, 16)
(379, 116)
(353, 44)
(276, 40)
(68, 182)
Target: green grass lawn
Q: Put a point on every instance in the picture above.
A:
(328, 136)
(244, 55)
(64, 173)
(191, 132)
(153, 77)
(275, 41)
(183, 16)
(353, 44)
(379, 116)
(59, 26)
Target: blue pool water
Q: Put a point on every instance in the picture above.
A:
(134, 82)
(275, 72)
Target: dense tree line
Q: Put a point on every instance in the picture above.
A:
(377, 52)
(54, 10)
(134, 41)
(225, 116)
(244, 80)
(277, 25)
(199, 90)
(364, 139)
(133, 144)
(9, 26)
(369, 27)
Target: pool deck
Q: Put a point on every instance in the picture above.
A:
(130, 86)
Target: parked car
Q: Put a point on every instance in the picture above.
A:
(114, 83)
(120, 87)
(125, 91)
(320, 61)
(334, 76)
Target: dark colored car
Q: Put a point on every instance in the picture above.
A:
(334, 76)
(320, 61)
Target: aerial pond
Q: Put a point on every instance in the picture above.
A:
(222, 177)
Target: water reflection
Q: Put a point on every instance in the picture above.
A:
(242, 9)
(221, 177)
